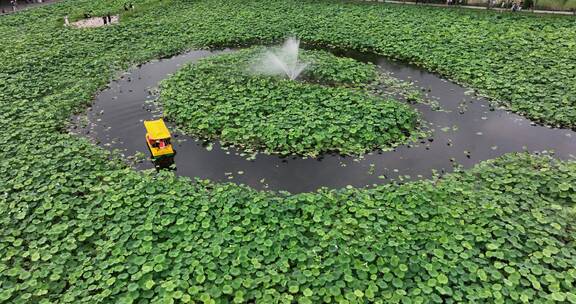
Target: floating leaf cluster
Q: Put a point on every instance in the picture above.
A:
(77, 226)
(500, 232)
(221, 98)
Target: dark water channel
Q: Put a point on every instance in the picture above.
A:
(459, 137)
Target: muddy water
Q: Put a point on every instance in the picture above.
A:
(466, 132)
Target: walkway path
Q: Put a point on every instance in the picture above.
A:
(6, 7)
(476, 7)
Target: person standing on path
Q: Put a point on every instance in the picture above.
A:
(105, 20)
(14, 4)
(66, 21)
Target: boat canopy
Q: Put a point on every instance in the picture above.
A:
(156, 129)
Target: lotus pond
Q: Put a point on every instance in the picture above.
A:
(79, 225)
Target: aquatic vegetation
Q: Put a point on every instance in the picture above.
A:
(114, 235)
(222, 98)
(77, 225)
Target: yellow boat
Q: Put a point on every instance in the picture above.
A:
(158, 139)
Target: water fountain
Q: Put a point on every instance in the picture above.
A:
(282, 61)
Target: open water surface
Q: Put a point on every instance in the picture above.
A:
(467, 131)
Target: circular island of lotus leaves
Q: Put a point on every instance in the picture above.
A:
(327, 109)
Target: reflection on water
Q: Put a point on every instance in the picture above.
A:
(469, 131)
(166, 163)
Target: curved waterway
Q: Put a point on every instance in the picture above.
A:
(466, 132)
